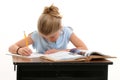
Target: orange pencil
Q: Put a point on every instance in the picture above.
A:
(26, 41)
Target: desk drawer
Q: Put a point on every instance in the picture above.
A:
(61, 78)
(63, 75)
(62, 67)
(61, 72)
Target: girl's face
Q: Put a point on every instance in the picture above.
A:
(52, 37)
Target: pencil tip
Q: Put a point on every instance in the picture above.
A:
(24, 32)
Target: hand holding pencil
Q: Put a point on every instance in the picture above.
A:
(25, 50)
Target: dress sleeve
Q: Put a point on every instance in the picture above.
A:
(68, 31)
(34, 36)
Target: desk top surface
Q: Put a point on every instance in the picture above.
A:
(20, 60)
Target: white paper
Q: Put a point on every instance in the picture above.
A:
(33, 55)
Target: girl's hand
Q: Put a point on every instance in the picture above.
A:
(51, 51)
(25, 51)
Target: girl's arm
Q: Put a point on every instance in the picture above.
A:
(21, 45)
(79, 44)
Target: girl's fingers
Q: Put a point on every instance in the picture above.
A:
(26, 51)
(51, 51)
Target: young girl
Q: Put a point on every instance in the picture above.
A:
(51, 35)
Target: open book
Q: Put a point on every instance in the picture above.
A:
(68, 56)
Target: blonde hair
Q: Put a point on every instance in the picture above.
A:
(50, 20)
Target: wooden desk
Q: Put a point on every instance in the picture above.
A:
(37, 69)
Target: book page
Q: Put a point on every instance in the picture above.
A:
(89, 53)
(96, 55)
(63, 55)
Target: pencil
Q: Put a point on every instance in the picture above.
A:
(26, 41)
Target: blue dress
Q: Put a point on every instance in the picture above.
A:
(41, 44)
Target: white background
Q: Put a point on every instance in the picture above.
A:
(96, 22)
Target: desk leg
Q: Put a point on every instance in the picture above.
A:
(19, 72)
(15, 67)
